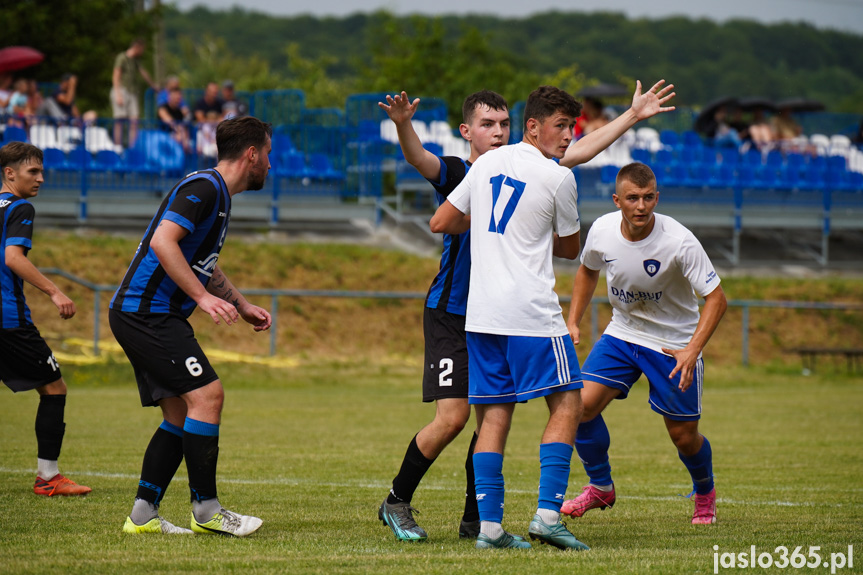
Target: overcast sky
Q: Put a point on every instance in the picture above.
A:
(837, 14)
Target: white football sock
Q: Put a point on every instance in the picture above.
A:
(46, 468)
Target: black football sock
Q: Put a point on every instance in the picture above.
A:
(471, 512)
(414, 467)
(161, 461)
(50, 427)
(201, 450)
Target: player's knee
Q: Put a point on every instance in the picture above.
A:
(54, 388)
(685, 438)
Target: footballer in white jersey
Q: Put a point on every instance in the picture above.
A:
(655, 268)
(517, 197)
(653, 283)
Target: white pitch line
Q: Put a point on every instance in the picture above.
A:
(286, 481)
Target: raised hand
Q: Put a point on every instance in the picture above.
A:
(399, 107)
(651, 102)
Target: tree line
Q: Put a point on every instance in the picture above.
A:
(446, 57)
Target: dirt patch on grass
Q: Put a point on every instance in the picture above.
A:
(366, 328)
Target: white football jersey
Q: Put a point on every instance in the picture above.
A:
(652, 283)
(517, 198)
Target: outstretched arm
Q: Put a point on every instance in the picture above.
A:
(21, 266)
(401, 111)
(643, 106)
(715, 305)
(221, 287)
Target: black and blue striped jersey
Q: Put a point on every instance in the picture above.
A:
(448, 291)
(16, 216)
(201, 204)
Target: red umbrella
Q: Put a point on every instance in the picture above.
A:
(19, 57)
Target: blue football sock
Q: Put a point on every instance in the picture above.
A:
(592, 442)
(554, 459)
(488, 470)
(700, 467)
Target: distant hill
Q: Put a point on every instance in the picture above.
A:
(704, 59)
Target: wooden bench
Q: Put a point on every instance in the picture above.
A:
(808, 356)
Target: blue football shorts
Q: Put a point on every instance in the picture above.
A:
(618, 364)
(509, 369)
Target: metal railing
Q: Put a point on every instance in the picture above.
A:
(274, 295)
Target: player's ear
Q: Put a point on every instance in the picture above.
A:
(464, 129)
(531, 126)
(616, 200)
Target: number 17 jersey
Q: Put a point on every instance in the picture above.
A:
(517, 198)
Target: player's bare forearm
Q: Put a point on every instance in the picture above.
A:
(21, 266)
(583, 289)
(449, 220)
(715, 305)
(643, 106)
(221, 287)
(401, 110)
(598, 140)
(714, 308)
(566, 247)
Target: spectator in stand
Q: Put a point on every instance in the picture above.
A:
(173, 120)
(171, 82)
(5, 91)
(784, 127)
(210, 102)
(125, 89)
(61, 104)
(35, 103)
(593, 116)
(17, 107)
(207, 149)
(760, 131)
(231, 106)
(721, 131)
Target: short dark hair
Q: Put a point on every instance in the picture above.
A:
(492, 100)
(14, 154)
(236, 135)
(545, 101)
(639, 174)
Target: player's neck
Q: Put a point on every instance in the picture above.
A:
(235, 177)
(636, 234)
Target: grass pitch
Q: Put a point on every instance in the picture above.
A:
(312, 451)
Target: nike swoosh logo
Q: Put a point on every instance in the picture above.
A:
(217, 531)
(609, 261)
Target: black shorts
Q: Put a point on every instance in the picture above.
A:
(26, 361)
(445, 373)
(166, 357)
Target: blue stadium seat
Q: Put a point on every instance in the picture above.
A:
(608, 174)
(14, 134)
(78, 158)
(691, 138)
(640, 155)
(53, 159)
(107, 160)
(292, 164)
(730, 156)
(722, 176)
(669, 138)
(320, 168)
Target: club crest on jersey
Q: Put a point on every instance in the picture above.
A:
(4, 203)
(651, 267)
